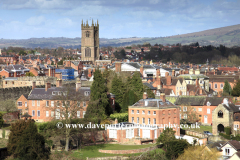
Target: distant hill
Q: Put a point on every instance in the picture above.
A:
(228, 36)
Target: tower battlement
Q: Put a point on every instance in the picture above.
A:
(88, 26)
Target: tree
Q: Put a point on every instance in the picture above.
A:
(67, 107)
(175, 148)
(129, 99)
(1, 120)
(167, 135)
(22, 53)
(8, 105)
(189, 113)
(123, 53)
(25, 142)
(199, 153)
(30, 74)
(118, 89)
(227, 88)
(99, 103)
(149, 92)
(136, 85)
(236, 89)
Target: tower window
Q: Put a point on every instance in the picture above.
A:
(220, 114)
(87, 34)
(87, 52)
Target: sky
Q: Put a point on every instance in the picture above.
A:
(23, 19)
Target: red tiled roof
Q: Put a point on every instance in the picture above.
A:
(227, 68)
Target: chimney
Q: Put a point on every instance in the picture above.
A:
(162, 97)
(158, 87)
(173, 73)
(33, 85)
(118, 66)
(197, 82)
(58, 83)
(166, 74)
(47, 86)
(89, 72)
(14, 62)
(169, 80)
(78, 84)
(145, 96)
(200, 91)
(158, 73)
(141, 69)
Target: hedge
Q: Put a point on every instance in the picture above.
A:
(121, 117)
(227, 130)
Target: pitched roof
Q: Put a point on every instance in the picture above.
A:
(193, 101)
(150, 86)
(234, 144)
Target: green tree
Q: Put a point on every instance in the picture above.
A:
(60, 62)
(25, 142)
(123, 53)
(99, 104)
(136, 85)
(118, 89)
(175, 148)
(227, 88)
(30, 74)
(149, 92)
(167, 135)
(129, 99)
(236, 89)
(22, 53)
(1, 120)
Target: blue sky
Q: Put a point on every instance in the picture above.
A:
(22, 19)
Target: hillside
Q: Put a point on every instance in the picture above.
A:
(228, 36)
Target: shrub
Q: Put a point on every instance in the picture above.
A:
(1, 120)
(121, 117)
(227, 130)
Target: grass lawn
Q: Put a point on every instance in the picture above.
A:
(201, 129)
(92, 151)
(3, 142)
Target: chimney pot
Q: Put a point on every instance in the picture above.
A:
(162, 97)
(33, 85)
(47, 86)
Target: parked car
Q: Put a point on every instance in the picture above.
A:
(207, 133)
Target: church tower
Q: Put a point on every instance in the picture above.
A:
(90, 42)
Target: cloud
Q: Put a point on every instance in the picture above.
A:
(36, 21)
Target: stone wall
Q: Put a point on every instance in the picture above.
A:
(196, 134)
(7, 132)
(128, 151)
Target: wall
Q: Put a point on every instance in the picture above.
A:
(128, 151)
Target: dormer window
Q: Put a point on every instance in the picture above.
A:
(208, 103)
(86, 93)
(54, 93)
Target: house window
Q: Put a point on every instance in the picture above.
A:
(20, 104)
(78, 114)
(132, 111)
(63, 104)
(215, 86)
(221, 85)
(58, 104)
(154, 112)
(143, 112)
(86, 93)
(143, 120)
(132, 119)
(57, 113)
(47, 113)
(33, 103)
(149, 112)
(38, 113)
(52, 113)
(137, 111)
(84, 113)
(137, 119)
(220, 114)
(154, 120)
(25, 104)
(208, 111)
(84, 104)
(38, 103)
(112, 133)
(227, 151)
(78, 104)
(149, 120)
(47, 103)
(52, 103)
(195, 109)
(236, 126)
(184, 109)
(199, 109)
(185, 116)
(33, 113)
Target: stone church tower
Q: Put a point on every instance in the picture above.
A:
(90, 42)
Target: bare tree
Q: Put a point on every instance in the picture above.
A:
(67, 105)
(189, 113)
(8, 105)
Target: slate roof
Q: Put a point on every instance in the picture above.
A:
(216, 145)
(150, 86)
(154, 103)
(231, 107)
(76, 63)
(40, 93)
(193, 101)
(234, 144)
(134, 64)
(148, 67)
(215, 101)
